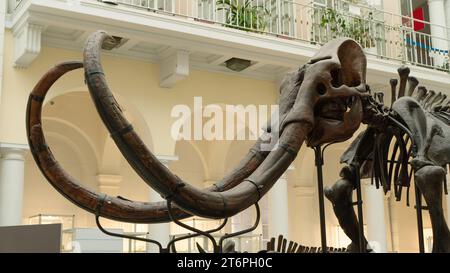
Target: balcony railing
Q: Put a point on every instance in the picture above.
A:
(382, 34)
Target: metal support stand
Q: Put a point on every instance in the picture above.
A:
(97, 221)
(196, 231)
(228, 236)
(419, 219)
(359, 203)
(319, 155)
(171, 244)
(217, 246)
(319, 163)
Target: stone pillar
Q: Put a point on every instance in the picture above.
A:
(447, 17)
(308, 232)
(279, 208)
(159, 232)
(375, 217)
(393, 223)
(438, 22)
(12, 168)
(448, 201)
(11, 5)
(3, 11)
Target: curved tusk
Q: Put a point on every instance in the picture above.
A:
(195, 201)
(112, 208)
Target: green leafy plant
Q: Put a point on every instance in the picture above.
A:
(244, 14)
(446, 64)
(338, 24)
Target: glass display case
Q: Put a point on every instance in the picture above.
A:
(67, 223)
(251, 243)
(135, 230)
(247, 242)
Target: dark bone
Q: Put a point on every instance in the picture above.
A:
(421, 93)
(412, 84)
(403, 72)
(429, 179)
(429, 96)
(434, 101)
(430, 149)
(445, 105)
(393, 83)
(438, 105)
(340, 195)
(380, 97)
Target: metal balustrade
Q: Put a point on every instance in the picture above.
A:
(383, 34)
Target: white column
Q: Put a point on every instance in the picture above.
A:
(448, 201)
(447, 17)
(279, 208)
(159, 232)
(307, 230)
(3, 11)
(11, 5)
(393, 223)
(437, 27)
(375, 217)
(12, 167)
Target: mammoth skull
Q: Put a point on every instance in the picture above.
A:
(329, 97)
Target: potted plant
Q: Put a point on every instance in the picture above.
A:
(244, 15)
(360, 28)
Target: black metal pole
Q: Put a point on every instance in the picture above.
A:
(359, 203)
(419, 219)
(319, 164)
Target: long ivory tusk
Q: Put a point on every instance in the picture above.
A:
(112, 208)
(195, 201)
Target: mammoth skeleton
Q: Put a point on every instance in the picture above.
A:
(325, 101)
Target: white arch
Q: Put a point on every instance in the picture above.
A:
(129, 109)
(74, 147)
(78, 130)
(52, 95)
(107, 151)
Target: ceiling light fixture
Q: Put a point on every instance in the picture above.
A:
(237, 64)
